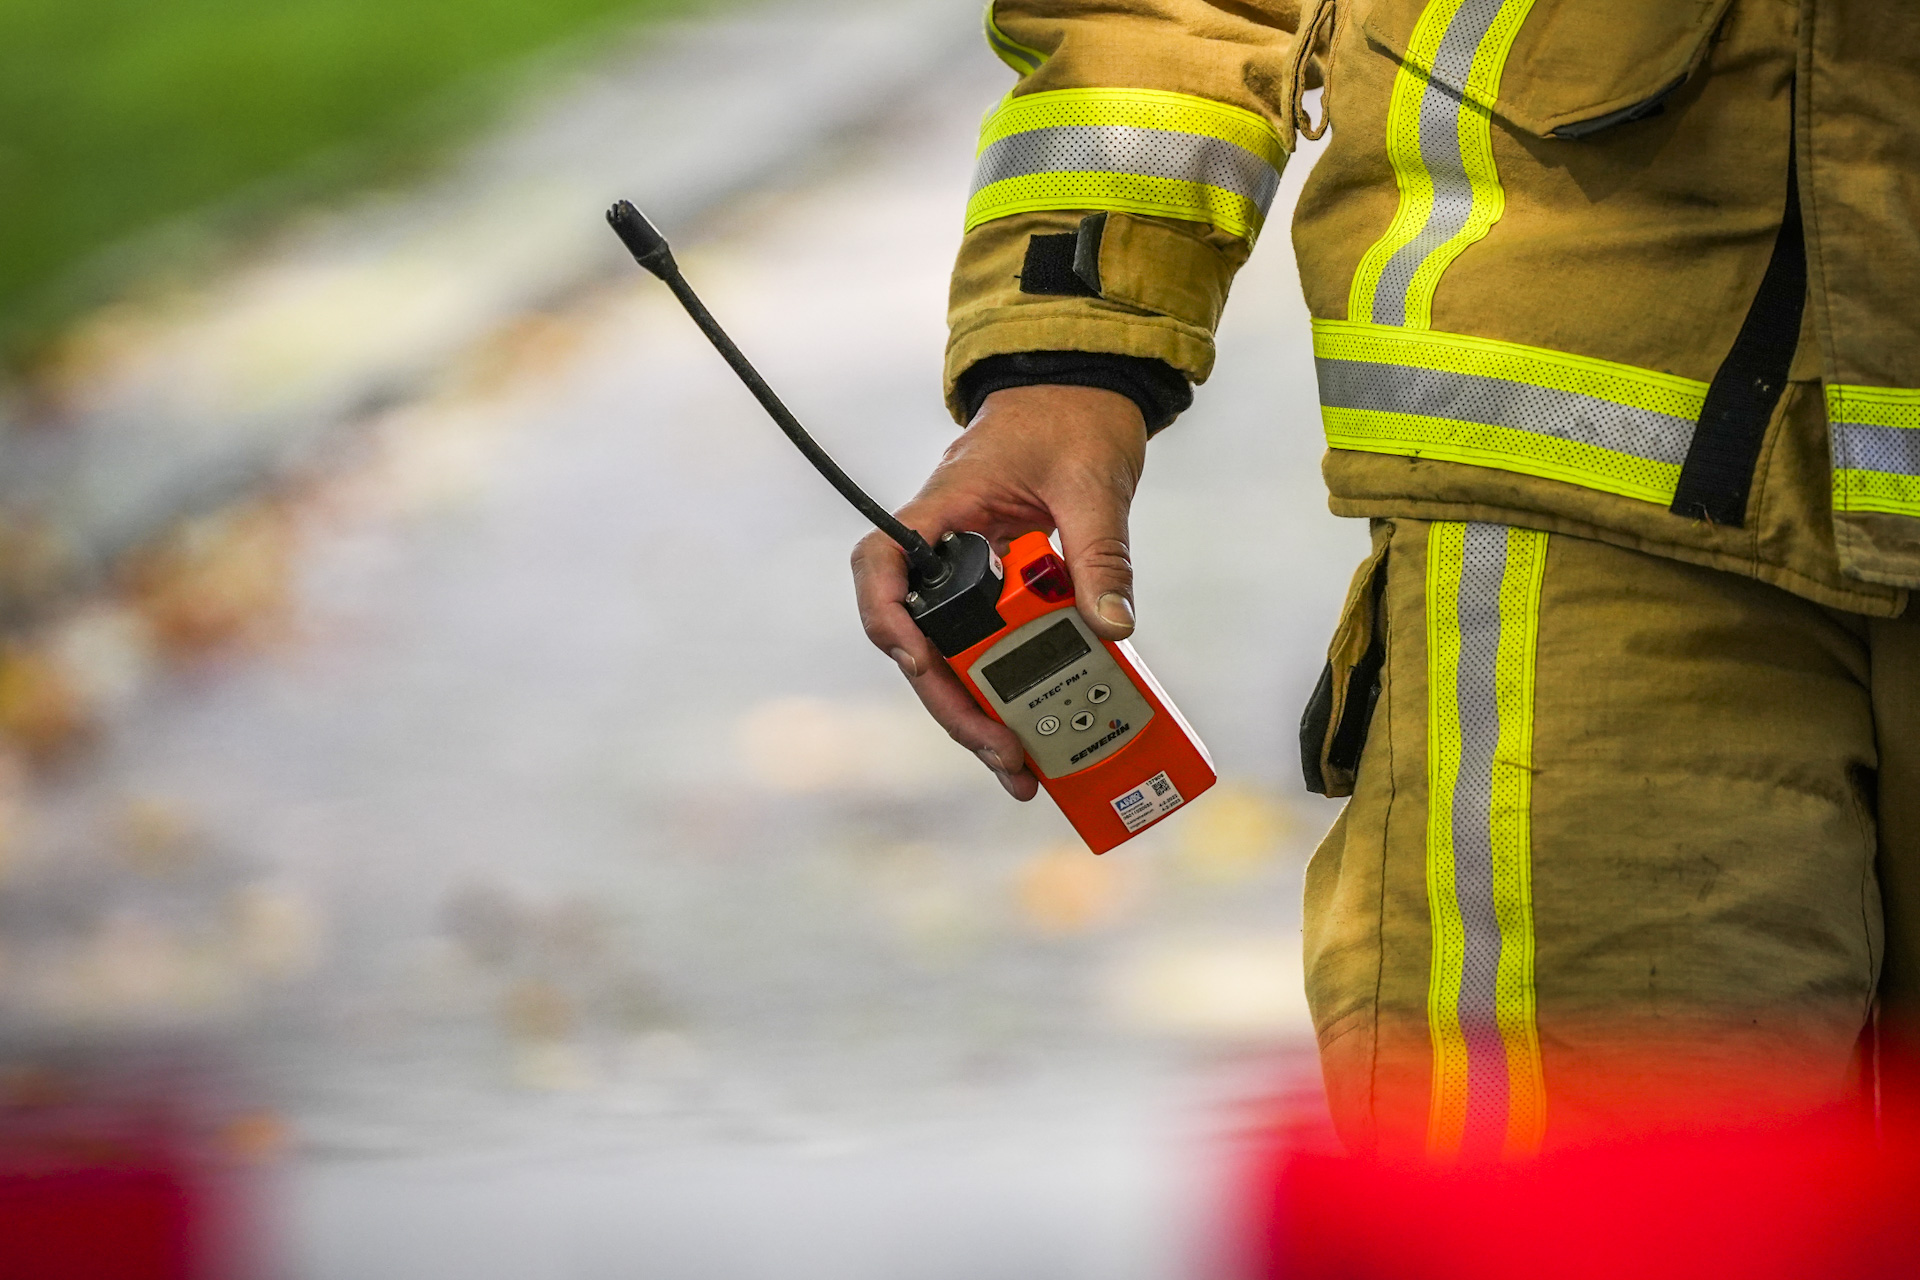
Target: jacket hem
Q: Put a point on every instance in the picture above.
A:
(1871, 599)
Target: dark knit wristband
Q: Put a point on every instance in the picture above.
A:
(1162, 392)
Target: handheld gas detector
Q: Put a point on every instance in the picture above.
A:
(1100, 734)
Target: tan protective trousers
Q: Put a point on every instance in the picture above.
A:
(1631, 842)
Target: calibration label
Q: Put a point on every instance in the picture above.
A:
(1155, 798)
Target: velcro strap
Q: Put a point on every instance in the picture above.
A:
(1152, 266)
(1133, 261)
(1049, 267)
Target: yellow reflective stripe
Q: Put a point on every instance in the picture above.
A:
(1625, 384)
(1136, 108)
(1875, 434)
(1499, 448)
(1020, 57)
(1140, 151)
(1440, 144)
(1483, 603)
(1513, 838)
(1446, 1115)
(1528, 410)
(1881, 491)
(1409, 172)
(1123, 193)
(1873, 406)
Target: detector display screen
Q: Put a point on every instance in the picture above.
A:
(1035, 660)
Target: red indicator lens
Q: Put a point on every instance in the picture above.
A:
(1048, 578)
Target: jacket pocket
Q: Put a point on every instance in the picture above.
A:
(1333, 729)
(1571, 67)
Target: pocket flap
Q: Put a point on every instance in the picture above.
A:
(1574, 66)
(1333, 731)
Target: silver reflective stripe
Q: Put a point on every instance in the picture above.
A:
(1864, 447)
(1018, 57)
(1440, 108)
(1463, 397)
(1481, 576)
(1153, 153)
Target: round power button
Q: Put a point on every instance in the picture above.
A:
(1048, 725)
(1099, 693)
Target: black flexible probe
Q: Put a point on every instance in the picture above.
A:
(649, 249)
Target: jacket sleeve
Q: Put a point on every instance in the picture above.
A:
(1122, 183)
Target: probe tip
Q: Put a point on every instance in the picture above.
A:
(648, 246)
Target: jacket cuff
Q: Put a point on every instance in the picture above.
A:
(1162, 392)
(1151, 289)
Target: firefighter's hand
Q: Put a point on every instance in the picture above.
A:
(1034, 458)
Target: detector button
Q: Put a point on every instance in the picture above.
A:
(1098, 694)
(1048, 725)
(1083, 721)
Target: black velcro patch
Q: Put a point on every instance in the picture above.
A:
(1049, 267)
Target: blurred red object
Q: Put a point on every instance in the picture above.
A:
(85, 1200)
(1765, 1198)
(1810, 1197)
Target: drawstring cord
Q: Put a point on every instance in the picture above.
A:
(1321, 22)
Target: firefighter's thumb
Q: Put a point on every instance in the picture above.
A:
(1094, 537)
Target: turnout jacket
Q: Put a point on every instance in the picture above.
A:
(1646, 271)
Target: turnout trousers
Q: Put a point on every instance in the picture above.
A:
(1631, 843)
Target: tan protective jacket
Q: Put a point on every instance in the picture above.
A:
(1529, 248)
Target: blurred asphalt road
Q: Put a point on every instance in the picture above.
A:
(187, 396)
(653, 931)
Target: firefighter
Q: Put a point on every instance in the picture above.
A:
(1616, 321)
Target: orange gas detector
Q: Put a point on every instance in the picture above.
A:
(1100, 734)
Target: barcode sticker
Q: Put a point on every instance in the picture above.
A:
(1151, 800)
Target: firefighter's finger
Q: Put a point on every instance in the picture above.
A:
(880, 582)
(954, 709)
(879, 587)
(1093, 533)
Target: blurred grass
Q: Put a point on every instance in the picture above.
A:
(117, 116)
